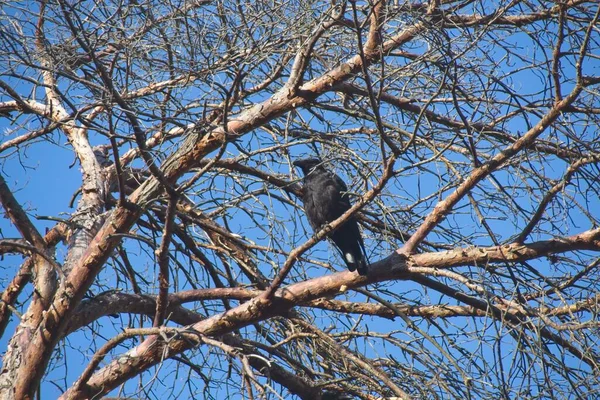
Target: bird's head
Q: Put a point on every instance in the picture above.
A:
(308, 164)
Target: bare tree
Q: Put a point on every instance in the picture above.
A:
(183, 266)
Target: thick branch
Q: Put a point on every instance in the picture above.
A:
(390, 268)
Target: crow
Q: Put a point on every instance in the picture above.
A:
(325, 198)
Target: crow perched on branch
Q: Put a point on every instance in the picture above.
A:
(325, 198)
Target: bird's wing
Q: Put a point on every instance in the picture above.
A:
(339, 183)
(342, 198)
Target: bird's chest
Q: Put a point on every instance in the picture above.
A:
(322, 202)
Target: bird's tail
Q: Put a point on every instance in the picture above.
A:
(356, 260)
(362, 267)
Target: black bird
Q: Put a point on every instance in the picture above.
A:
(325, 198)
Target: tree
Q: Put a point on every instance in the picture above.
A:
(183, 265)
